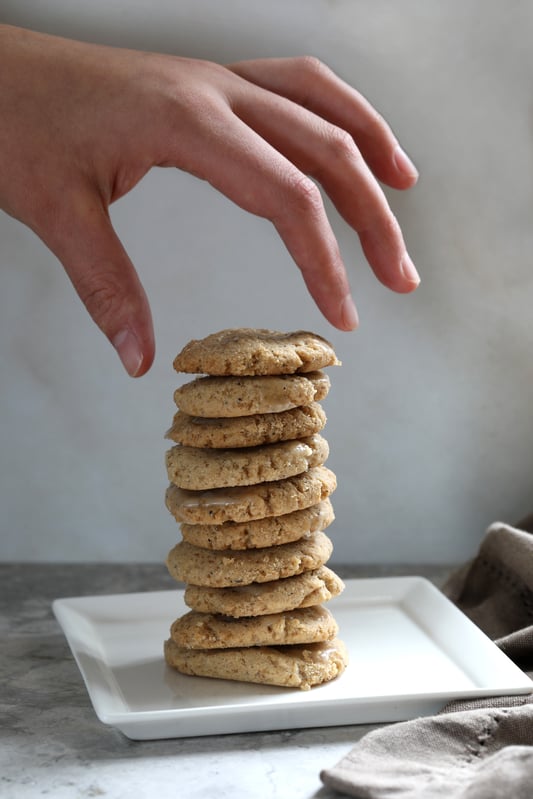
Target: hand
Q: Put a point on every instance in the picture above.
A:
(82, 124)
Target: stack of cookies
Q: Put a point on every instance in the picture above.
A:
(250, 490)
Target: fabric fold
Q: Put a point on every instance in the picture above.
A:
(473, 749)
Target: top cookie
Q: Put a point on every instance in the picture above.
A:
(249, 351)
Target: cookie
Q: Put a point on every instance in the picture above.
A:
(294, 666)
(214, 397)
(222, 568)
(267, 532)
(248, 351)
(247, 431)
(198, 469)
(302, 591)
(244, 503)
(214, 631)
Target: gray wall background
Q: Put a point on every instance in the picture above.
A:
(430, 418)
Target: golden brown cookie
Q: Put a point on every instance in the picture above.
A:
(215, 397)
(267, 532)
(200, 469)
(248, 351)
(243, 503)
(246, 431)
(222, 568)
(297, 666)
(214, 631)
(302, 591)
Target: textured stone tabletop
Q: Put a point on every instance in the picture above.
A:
(52, 743)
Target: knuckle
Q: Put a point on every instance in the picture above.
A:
(376, 126)
(378, 119)
(101, 295)
(389, 227)
(309, 73)
(304, 195)
(311, 66)
(341, 145)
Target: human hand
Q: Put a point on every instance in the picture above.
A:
(83, 123)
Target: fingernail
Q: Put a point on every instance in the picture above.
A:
(409, 270)
(404, 164)
(129, 351)
(349, 315)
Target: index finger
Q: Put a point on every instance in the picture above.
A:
(250, 171)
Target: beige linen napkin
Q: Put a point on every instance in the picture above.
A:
(480, 749)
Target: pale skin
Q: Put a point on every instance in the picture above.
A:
(81, 124)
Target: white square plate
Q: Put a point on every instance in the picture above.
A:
(411, 651)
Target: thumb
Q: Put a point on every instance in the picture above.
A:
(108, 285)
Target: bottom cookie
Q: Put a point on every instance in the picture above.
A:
(295, 666)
